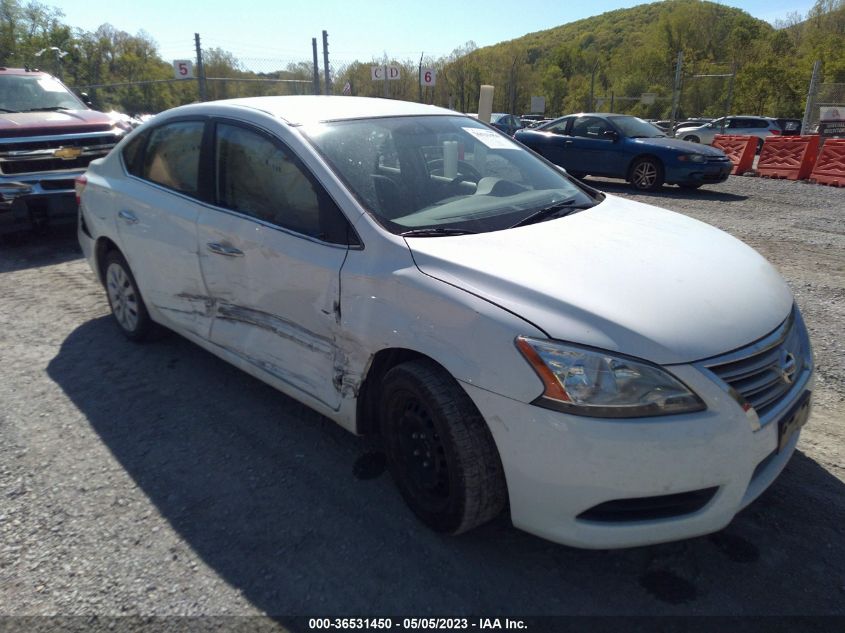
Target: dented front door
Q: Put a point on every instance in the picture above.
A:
(274, 283)
(275, 298)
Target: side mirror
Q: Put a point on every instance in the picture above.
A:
(611, 135)
(86, 99)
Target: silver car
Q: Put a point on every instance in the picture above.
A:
(758, 126)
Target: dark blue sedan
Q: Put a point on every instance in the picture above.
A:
(621, 146)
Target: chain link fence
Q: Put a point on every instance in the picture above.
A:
(703, 89)
(830, 95)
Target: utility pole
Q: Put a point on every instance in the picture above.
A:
(729, 99)
(316, 67)
(200, 70)
(326, 62)
(676, 92)
(811, 97)
(592, 84)
(419, 76)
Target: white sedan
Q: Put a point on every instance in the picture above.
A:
(615, 373)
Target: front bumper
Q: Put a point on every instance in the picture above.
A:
(30, 200)
(699, 174)
(559, 466)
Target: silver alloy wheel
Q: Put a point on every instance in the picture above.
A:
(645, 175)
(122, 296)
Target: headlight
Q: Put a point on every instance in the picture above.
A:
(692, 158)
(590, 382)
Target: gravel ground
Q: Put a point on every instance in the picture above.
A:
(157, 480)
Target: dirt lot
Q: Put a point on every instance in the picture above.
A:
(158, 480)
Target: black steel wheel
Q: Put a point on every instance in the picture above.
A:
(439, 450)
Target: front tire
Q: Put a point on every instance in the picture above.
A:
(692, 138)
(439, 450)
(646, 174)
(125, 300)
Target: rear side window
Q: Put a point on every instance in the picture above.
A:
(172, 156)
(132, 155)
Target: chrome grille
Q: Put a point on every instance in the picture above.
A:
(765, 373)
(35, 155)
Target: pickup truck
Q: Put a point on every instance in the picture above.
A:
(47, 138)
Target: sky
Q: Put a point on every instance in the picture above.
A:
(358, 29)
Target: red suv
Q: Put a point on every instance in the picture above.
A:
(47, 138)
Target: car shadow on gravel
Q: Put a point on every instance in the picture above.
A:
(296, 514)
(34, 249)
(666, 191)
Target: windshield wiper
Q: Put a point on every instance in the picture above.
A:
(47, 109)
(7, 110)
(436, 231)
(556, 210)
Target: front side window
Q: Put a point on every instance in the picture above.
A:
(556, 127)
(451, 173)
(634, 127)
(172, 156)
(590, 127)
(259, 177)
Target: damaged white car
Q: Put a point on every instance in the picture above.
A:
(614, 373)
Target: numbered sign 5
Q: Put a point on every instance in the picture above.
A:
(183, 68)
(427, 77)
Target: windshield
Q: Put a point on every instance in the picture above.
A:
(442, 174)
(21, 93)
(632, 127)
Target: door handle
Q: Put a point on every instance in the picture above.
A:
(222, 249)
(568, 142)
(128, 217)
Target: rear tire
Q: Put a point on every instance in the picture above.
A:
(439, 450)
(125, 299)
(692, 138)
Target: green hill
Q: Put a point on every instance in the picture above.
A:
(634, 51)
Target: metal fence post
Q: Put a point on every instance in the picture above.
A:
(811, 97)
(676, 93)
(326, 62)
(316, 67)
(203, 88)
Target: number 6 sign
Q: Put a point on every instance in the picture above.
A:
(427, 76)
(183, 68)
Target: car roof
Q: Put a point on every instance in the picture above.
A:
(305, 109)
(21, 71)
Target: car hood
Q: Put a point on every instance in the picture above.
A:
(61, 122)
(678, 144)
(622, 276)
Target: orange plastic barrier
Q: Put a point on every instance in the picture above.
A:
(791, 157)
(830, 165)
(740, 149)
